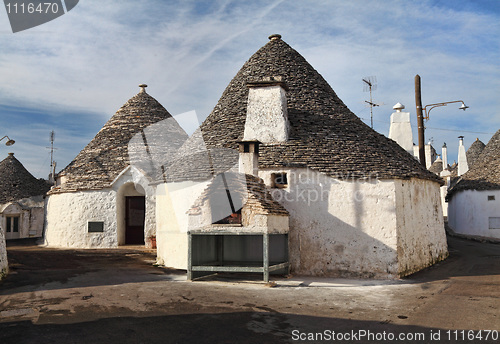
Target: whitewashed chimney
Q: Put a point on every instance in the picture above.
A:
(248, 162)
(462, 157)
(400, 129)
(267, 115)
(444, 154)
(430, 154)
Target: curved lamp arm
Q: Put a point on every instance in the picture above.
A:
(432, 106)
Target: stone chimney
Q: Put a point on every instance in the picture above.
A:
(462, 158)
(400, 129)
(430, 154)
(248, 162)
(444, 154)
(267, 115)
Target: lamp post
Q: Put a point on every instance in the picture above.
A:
(423, 113)
(9, 141)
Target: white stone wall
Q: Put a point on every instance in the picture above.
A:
(172, 203)
(471, 213)
(339, 228)
(68, 214)
(4, 266)
(420, 224)
(31, 214)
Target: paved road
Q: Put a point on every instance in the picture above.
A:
(118, 296)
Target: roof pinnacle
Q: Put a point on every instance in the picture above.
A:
(143, 88)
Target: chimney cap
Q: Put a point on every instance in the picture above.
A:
(268, 81)
(398, 107)
(143, 87)
(275, 36)
(444, 145)
(461, 137)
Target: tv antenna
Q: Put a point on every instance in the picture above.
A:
(52, 162)
(370, 84)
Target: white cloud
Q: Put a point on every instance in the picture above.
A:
(91, 60)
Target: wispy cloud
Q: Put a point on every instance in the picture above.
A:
(77, 70)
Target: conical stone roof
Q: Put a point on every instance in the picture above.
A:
(474, 151)
(437, 166)
(17, 183)
(324, 134)
(485, 173)
(106, 156)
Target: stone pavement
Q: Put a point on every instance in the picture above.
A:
(119, 296)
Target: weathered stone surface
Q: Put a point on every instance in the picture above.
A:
(485, 173)
(474, 152)
(324, 134)
(17, 183)
(107, 155)
(4, 265)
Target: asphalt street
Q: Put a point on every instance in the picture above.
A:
(120, 296)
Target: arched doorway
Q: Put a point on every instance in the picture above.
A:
(130, 214)
(135, 211)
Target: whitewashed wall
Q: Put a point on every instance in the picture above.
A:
(421, 235)
(173, 200)
(68, 214)
(31, 214)
(339, 228)
(4, 266)
(470, 213)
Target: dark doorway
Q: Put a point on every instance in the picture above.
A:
(134, 220)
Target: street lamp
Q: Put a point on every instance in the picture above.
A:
(9, 141)
(420, 117)
(432, 106)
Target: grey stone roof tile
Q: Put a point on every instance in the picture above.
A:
(17, 183)
(324, 134)
(107, 155)
(485, 173)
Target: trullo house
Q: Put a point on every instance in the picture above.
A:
(100, 198)
(473, 201)
(358, 204)
(21, 200)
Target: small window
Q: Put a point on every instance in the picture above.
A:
(279, 180)
(491, 197)
(96, 227)
(12, 224)
(246, 148)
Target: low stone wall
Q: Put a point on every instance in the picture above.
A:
(4, 266)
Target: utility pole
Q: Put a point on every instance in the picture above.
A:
(420, 121)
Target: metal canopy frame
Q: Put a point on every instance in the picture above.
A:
(207, 263)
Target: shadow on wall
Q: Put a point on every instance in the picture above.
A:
(336, 231)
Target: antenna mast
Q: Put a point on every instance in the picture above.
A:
(52, 162)
(370, 84)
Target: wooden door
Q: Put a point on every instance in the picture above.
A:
(134, 220)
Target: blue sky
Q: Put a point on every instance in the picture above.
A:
(72, 74)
